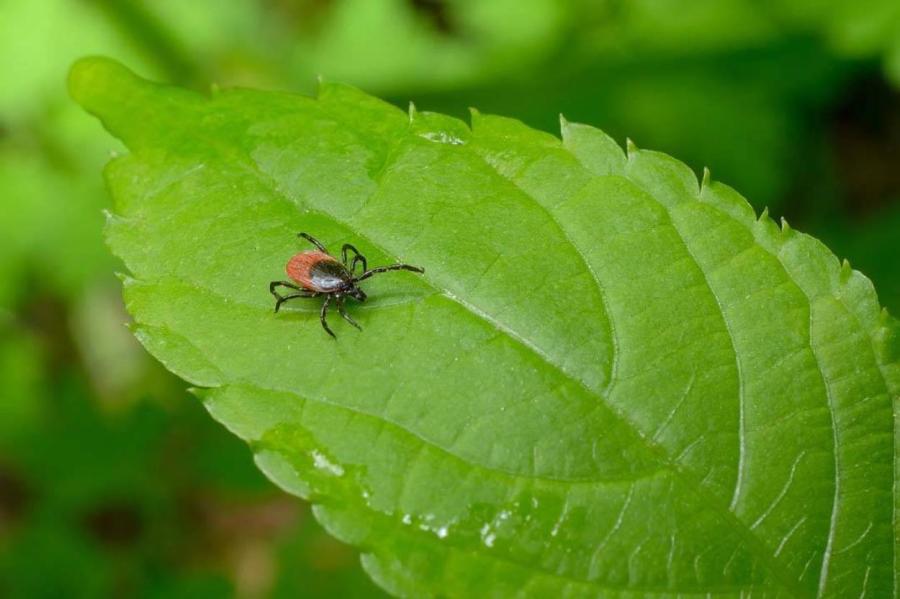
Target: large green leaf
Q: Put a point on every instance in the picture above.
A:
(611, 380)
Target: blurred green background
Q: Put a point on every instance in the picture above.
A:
(113, 480)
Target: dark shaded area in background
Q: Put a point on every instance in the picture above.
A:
(113, 480)
(865, 137)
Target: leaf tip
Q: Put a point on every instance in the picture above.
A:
(785, 227)
(201, 393)
(474, 115)
(565, 128)
(846, 270)
(763, 215)
(91, 74)
(884, 317)
(630, 148)
(412, 112)
(124, 278)
(112, 220)
(320, 84)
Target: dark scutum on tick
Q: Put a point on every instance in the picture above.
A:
(317, 273)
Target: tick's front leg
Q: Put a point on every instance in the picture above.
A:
(313, 241)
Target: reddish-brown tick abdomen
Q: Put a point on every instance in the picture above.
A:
(317, 271)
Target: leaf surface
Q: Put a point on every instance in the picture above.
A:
(611, 380)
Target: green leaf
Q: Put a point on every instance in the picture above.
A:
(22, 372)
(611, 380)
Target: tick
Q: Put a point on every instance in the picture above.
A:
(317, 273)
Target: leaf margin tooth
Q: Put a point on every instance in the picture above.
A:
(631, 149)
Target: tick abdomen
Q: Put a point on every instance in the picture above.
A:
(317, 271)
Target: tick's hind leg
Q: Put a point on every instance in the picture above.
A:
(283, 298)
(323, 314)
(357, 258)
(280, 299)
(346, 316)
(313, 241)
(275, 284)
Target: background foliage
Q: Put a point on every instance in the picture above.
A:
(794, 103)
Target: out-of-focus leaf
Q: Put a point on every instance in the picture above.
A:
(51, 226)
(87, 521)
(38, 41)
(50, 231)
(610, 378)
(389, 43)
(21, 375)
(863, 28)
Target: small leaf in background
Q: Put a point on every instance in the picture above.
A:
(611, 378)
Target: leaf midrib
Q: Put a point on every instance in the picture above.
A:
(324, 401)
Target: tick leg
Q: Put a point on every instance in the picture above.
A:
(275, 284)
(323, 314)
(379, 269)
(357, 258)
(282, 299)
(346, 316)
(313, 241)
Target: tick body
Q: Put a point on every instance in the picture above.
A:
(316, 273)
